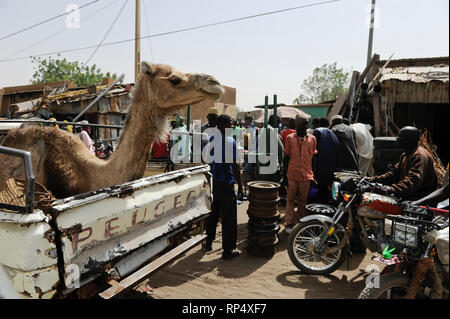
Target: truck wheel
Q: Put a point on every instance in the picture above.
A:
(299, 249)
(391, 286)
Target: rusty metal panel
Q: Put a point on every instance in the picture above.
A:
(31, 267)
(109, 224)
(125, 101)
(103, 105)
(114, 104)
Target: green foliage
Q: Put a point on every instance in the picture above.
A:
(325, 84)
(53, 70)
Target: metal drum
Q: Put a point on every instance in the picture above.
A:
(264, 217)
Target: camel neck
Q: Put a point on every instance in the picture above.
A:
(145, 122)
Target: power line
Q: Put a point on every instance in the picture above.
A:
(107, 32)
(45, 21)
(59, 32)
(149, 39)
(177, 31)
(103, 39)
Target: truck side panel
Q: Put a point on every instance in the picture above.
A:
(102, 232)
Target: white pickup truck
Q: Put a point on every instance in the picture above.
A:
(102, 242)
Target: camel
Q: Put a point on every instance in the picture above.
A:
(65, 166)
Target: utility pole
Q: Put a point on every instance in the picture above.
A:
(369, 50)
(137, 41)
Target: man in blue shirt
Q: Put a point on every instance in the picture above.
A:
(225, 171)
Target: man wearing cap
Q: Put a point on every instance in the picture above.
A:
(272, 132)
(180, 141)
(300, 147)
(347, 156)
(364, 146)
(414, 176)
(213, 113)
(43, 111)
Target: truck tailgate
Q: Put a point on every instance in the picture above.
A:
(105, 227)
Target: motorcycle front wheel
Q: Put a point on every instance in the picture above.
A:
(389, 286)
(300, 242)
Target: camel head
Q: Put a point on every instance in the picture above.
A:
(171, 89)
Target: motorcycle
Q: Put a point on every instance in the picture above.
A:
(319, 244)
(103, 152)
(421, 268)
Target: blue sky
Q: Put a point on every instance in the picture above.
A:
(265, 55)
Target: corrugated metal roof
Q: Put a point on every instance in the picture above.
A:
(417, 74)
(407, 62)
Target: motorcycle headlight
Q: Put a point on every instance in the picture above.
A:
(335, 188)
(405, 235)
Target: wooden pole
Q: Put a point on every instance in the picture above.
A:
(275, 112)
(137, 41)
(266, 110)
(188, 118)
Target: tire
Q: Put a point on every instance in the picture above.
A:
(387, 281)
(385, 142)
(314, 224)
(387, 154)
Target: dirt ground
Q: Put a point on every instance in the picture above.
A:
(197, 275)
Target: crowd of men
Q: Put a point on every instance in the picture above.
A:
(306, 162)
(308, 159)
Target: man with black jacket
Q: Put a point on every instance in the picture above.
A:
(414, 176)
(347, 156)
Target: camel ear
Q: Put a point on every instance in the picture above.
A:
(147, 68)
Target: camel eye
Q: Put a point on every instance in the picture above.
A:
(175, 80)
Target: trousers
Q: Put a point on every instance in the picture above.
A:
(296, 191)
(224, 205)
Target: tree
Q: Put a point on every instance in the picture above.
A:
(53, 70)
(325, 84)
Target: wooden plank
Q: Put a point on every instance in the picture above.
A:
(375, 59)
(35, 87)
(352, 93)
(383, 116)
(336, 108)
(376, 115)
(69, 94)
(140, 275)
(378, 75)
(2, 111)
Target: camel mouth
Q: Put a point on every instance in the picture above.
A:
(215, 95)
(213, 87)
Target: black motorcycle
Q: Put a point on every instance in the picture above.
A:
(319, 244)
(416, 260)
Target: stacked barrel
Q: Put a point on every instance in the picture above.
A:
(264, 217)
